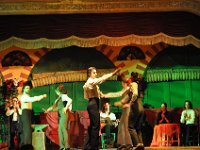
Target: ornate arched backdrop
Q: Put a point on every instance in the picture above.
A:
(107, 32)
(60, 25)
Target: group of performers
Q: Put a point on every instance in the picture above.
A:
(129, 128)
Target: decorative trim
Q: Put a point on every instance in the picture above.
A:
(171, 74)
(42, 79)
(23, 1)
(94, 6)
(97, 41)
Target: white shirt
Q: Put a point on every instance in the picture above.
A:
(65, 97)
(106, 115)
(91, 88)
(188, 116)
(26, 101)
(15, 116)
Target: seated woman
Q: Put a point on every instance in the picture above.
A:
(188, 122)
(163, 115)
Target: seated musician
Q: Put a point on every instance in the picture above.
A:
(108, 122)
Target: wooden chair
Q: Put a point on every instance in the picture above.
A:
(170, 134)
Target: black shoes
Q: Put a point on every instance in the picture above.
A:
(122, 147)
(140, 146)
(125, 147)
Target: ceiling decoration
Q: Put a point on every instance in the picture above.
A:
(90, 30)
(16, 7)
(89, 23)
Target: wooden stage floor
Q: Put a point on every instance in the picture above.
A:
(167, 148)
(161, 148)
(3, 146)
(146, 148)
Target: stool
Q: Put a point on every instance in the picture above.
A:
(38, 136)
(103, 135)
(38, 140)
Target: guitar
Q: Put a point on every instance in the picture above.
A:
(107, 120)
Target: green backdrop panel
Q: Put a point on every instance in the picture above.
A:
(173, 92)
(177, 93)
(44, 103)
(195, 86)
(154, 94)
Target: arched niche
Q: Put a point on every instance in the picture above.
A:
(70, 59)
(173, 76)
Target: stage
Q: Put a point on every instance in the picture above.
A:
(56, 147)
(161, 148)
(164, 148)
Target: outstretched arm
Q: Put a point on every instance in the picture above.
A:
(52, 106)
(102, 79)
(25, 98)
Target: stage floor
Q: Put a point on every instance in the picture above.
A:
(161, 148)
(146, 148)
(168, 148)
(3, 146)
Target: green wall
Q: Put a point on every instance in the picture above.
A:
(172, 92)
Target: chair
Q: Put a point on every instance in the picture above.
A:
(103, 136)
(166, 135)
(170, 134)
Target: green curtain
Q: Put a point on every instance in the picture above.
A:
(172, 74)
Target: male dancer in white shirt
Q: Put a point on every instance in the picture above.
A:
(92, 93)
(26, 106)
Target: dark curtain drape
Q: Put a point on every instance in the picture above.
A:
(92, 25)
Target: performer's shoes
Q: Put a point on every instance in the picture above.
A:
(140, 146)
(129, 147)
(122, 147)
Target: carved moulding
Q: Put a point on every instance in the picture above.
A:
(16, 7)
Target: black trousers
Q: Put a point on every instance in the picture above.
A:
(92, 139)
(187, 131)
(135, 120)
(14, 131)
(26, 136)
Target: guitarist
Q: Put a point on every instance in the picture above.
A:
(108, 121)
